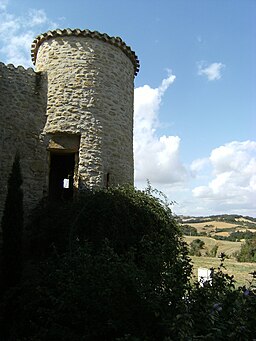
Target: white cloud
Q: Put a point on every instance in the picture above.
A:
(3, 4)
(156, 158)
(232, 186)
(212, 71)
(233, 156)
(197, 165)
(18, 32)
(37, 17)
(224, 182)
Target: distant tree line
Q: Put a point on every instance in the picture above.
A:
(188, 230)
(236, 236)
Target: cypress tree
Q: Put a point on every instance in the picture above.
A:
(12, 228)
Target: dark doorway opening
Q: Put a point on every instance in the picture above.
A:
(61, 176)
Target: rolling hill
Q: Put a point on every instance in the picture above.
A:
(219, 225)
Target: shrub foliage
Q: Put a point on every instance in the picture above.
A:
(112, 265)
(196, 246)
(248, 251)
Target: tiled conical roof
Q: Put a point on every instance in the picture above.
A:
(116, 41)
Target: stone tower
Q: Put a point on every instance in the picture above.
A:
(89, 107)
(76, 110)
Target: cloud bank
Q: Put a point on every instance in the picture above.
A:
(156, 157)
(225, 180)
(232, 185)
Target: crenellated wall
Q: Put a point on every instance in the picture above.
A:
(23, 98)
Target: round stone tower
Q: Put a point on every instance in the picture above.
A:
(89, 127)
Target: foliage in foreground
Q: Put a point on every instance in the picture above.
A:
(113, 266)
(216, 310)
(110, 263)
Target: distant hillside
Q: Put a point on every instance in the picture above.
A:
(231, 227)
(229, 218)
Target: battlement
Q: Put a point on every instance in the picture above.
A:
(116, 41)
(23, 99)
(16, 69)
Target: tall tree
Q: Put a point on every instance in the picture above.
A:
(12, 228)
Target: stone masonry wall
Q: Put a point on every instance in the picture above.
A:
(79, 100)
(90, 93)
(22, 118)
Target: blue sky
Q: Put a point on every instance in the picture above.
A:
(195, 103)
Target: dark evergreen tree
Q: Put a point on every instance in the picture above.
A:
(12, 227)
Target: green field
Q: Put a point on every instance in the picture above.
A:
(221, 225)
(239, 270)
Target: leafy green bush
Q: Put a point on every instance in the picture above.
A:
(213, 251)
(122, 215)
(188, 230)
(248, 251)
(110, 264)
(218, 311)
(196, 246)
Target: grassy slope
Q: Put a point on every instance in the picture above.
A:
(239, 270)
(229, 248)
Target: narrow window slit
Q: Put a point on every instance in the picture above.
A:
(108, 179)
